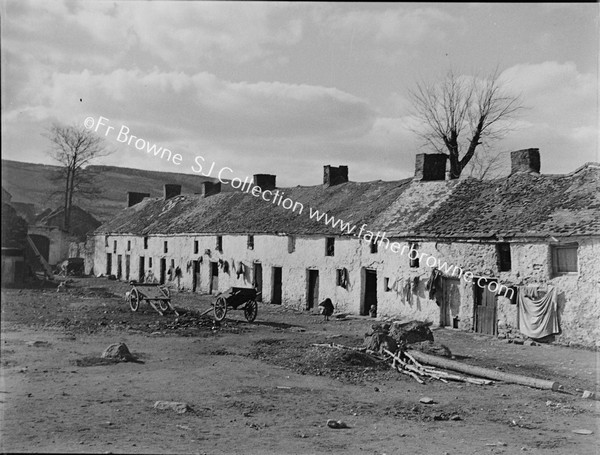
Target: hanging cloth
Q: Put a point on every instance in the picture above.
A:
(240, 269)
(432, 283)
(226, 267)
(538, 317)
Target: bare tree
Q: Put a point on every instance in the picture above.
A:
(74, 147)
(486, 165)
(461, 113)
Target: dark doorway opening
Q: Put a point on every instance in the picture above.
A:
(276, 286)
(142, 269)
(163, 270)
(312, 291)
(127, 266)
(369, 291)
(214, 277)
(119, 266)
(196, 276)
(108, 264)
(258, 281)
(42, 243)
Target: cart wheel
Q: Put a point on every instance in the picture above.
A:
(134, 299)
(251, 310)
(164, 304)
(220, 308)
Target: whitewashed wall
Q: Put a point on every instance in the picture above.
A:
(578, 300)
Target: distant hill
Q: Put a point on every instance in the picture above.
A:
(32, 183)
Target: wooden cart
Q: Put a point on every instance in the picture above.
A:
(150, 292)
(236, 299)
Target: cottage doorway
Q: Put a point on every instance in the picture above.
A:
(119, 266)
(484, 307)
(276, 286)
(142, 269)
(312, 292)
(369, 291)
(127, 266)
(196, 275)
(449, 301)
(163, 270)
(108, 264)
(214, 277)
(42, 243)
(258, 280)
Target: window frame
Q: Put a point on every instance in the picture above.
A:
(501, 257)
(250, 242)
(554, 249)
(330, 246)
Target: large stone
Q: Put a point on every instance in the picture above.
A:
(118, 351)
(179, 408)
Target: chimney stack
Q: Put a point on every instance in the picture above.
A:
(172, 190)
(430, 167)
(264, 181)
(134, 198)
(334, 175)
(526, 160)
(210, 188)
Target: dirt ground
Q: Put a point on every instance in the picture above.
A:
(262, 387)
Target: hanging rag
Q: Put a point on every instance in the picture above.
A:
(226, 267)
(414, 284)
(432, 283)
(407, 291)
(538, 317)
(240, 269)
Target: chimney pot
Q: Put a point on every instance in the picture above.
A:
(210, 188)
(334, 175)
(134, 198)
(430, 167)
(526, 160)
(264, 181)
(172, 190)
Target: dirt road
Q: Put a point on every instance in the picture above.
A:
(263, 388)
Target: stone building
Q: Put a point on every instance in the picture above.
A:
(454, 252)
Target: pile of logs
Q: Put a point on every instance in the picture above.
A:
(411, 367)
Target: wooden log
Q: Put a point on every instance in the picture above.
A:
(484, 372)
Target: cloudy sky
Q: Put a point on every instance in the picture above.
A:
(286, 88)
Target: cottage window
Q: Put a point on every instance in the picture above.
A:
(564, 259)
(128, 245)
(150, 262)
(413, 255)
(145, 243)
(386, 284)
(106, 241)
(291, 243)
(115, 246)
(329, 246)
(166, 247)
(250, 242)
(342, 278)
(373, 246)
(196, 247)
(504, 259)
(219, 244)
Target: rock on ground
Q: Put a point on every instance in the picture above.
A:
(179, 408)
(118, 351)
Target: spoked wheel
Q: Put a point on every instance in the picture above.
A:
(251, 310)
(220, 309)
(164, 304)
(134, 299)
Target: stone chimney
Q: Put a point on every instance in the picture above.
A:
(210, 188)
(134, 198)
(526, 160)
(430, 167)
(264, 181)
(172, 190)
(334, 175)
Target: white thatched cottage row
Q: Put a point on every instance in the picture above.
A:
(500, 249)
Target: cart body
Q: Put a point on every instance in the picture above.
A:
(236, 299)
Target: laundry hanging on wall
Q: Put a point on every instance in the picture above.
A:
(433, 283)
(538, 316)
(342, 278)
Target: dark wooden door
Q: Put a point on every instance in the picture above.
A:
(258, 281)
(276, 288)
(108, 264)
(370, 289)
(214, 277)
(485, 317)
(312, 294)
(196, 276)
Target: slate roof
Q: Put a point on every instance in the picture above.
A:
(516, 206)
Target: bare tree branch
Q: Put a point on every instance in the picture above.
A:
(462, 113)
